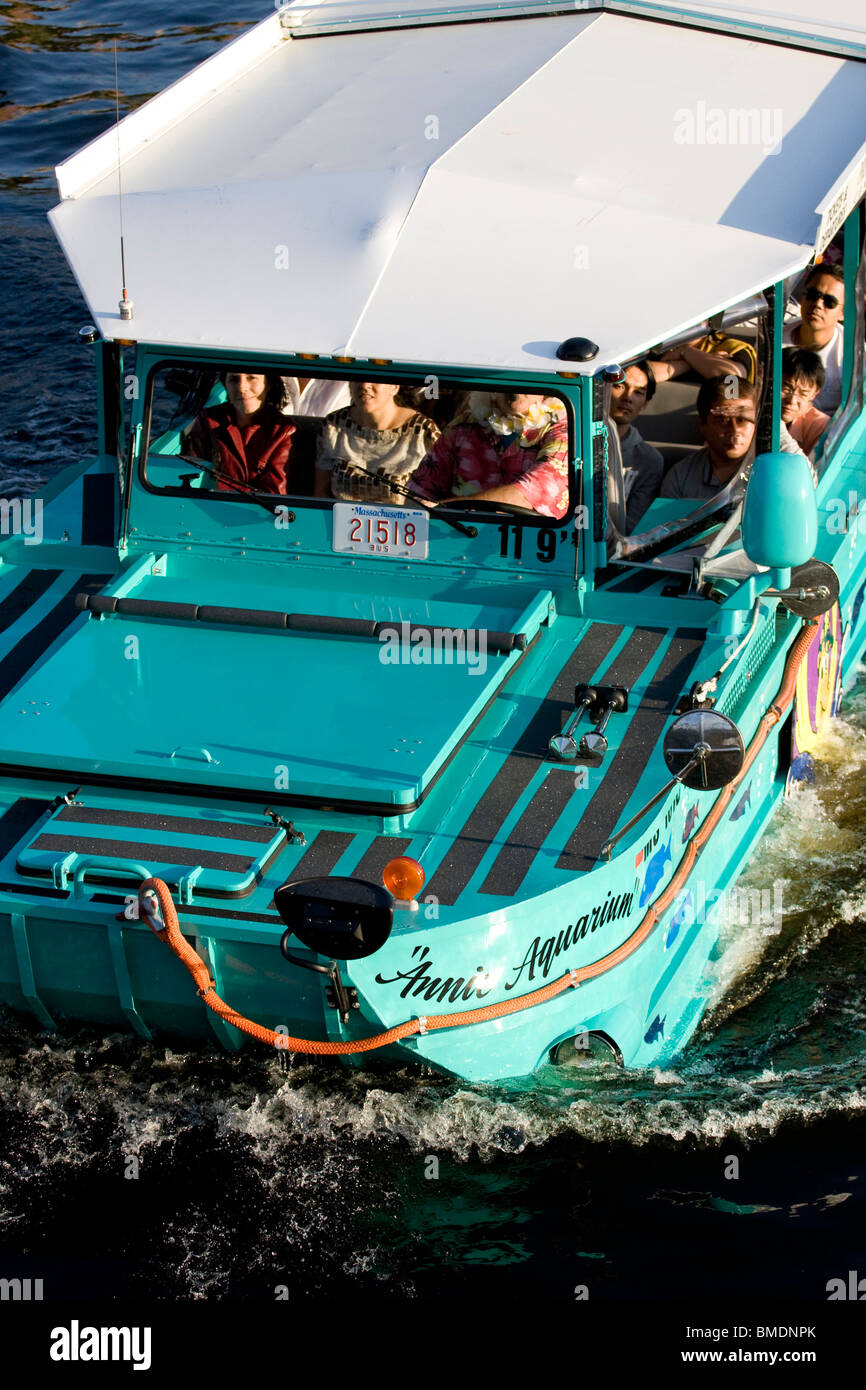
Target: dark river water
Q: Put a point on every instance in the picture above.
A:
(252, 1178)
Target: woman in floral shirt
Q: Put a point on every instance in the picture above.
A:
(502, 449)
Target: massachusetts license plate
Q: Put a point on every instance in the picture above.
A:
(387, 531)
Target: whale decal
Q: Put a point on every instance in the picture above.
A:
(656, 1029)
(691, 818)
(743, 804)
(655, 872)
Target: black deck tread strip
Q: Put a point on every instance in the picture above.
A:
(273, 919)
(383, 848)
(27, 652)
(641, 738)
(19, 819)
(514, 860)
(324, 851)
(181, 825)
(30, 890)
(470, 845)
(97, 509)
(30, 589)
(145, 850)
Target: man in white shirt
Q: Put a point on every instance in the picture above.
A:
(819, 329)
(727, 424)
(314, 396)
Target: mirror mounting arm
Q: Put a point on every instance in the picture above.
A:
(607, 847)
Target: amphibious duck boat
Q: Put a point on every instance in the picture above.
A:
(456, 786)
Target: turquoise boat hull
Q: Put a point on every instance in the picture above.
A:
(517, 895)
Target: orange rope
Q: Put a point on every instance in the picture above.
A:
(170, 932)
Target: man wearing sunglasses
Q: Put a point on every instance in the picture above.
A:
(819, 330)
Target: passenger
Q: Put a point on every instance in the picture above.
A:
(727, 424)
(502, 448)
(643, 466)
(313, 396)
(246, 440)
(819, 329)
(712, 355)
(378, 434)
(803, 376)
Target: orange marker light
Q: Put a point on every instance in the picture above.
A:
(404, 878)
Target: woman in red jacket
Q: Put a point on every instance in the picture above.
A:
(247, 440)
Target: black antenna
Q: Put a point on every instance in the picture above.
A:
(125, 303)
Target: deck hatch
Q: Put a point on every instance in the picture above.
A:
(131, 702)
(170, 847)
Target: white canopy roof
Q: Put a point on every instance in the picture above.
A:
(469, 194)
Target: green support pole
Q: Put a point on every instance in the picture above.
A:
(777, 319)
(851, 260)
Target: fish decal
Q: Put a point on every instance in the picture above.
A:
(743, 804)
(655, 872)
(656, 1029)
(691, 818)
(684, 913)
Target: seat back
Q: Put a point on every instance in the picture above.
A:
(302, 460)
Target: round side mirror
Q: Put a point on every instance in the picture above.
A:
(704, 750)
(813, 590)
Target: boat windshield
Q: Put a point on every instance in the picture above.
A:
(235, 431)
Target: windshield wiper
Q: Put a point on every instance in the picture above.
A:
(272, 506)
(470, 531)
(263, 499)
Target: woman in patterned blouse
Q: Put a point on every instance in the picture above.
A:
(502, 448)
(375, 442)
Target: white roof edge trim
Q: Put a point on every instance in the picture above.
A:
(88, 165)
(316, 18)
(771, 25)
(842, 199)
(313, 18)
